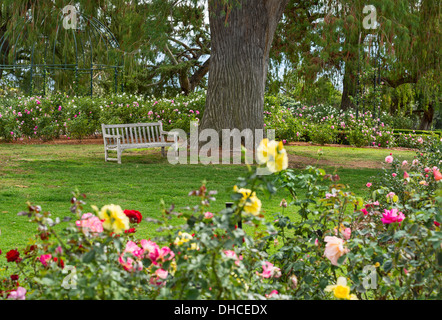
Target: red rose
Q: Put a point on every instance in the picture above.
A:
(14, 277)
(30, 249)
(134, 215)
(13, 255)
(131, 230)
(60, 262)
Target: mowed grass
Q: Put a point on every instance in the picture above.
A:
(46, 175)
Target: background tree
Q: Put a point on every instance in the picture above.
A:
(241, 37)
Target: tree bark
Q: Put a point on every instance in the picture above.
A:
(349, 86)
(427, 118)
(239, 63)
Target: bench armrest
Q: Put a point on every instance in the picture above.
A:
(175, 136)
(117, 136)
(170, 132)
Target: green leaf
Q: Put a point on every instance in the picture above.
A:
(88, 257)
(388, 265)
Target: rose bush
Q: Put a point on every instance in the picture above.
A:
(333, 245)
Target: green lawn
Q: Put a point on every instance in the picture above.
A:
(47, 174)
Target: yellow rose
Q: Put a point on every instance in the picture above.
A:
(183, 237)
(263, 151)
(249, 201)
(273, 154)
(279, 160)
(114, 218)
(341, 290)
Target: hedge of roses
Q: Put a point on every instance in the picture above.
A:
(335, 246)
(59, 115)
(293, 121)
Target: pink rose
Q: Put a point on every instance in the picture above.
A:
(347, 233)
(269, 270)
(389, 159)
(274, 292)
(368, 184)
(45, 258)
(392, 216)
(19, 294)
(90, 223)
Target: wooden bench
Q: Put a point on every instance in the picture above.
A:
(119, 137)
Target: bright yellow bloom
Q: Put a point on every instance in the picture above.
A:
(273, 154)
(377, 264)
(251, 203)
(183, 237)
(279, 160)
(114, 218)
(341, 290)
(262, 155)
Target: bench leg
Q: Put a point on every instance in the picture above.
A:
(119, 155)
(163, 152)
(105, 154)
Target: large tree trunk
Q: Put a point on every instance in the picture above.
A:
(240, 46)
(427, 118)
(349, 87)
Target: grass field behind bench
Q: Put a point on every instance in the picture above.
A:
(47, 174)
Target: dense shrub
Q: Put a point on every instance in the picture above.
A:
(63, 116)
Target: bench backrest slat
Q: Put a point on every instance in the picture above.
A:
(134, 133)
(143, 129)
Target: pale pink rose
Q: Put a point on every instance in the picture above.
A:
(404, 163)
(334, 249)
(391, 195)
(148, 245)
(133, 248)
(90, 223)
(232, 254)
(208, 215)
(392, 216)
(415, 162)
(162, 274)
(19, 294)
(389, 159)
(347, 233)
(427, 169)
(59, 250)
(406, 175)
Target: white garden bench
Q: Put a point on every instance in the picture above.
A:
(119, 137)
